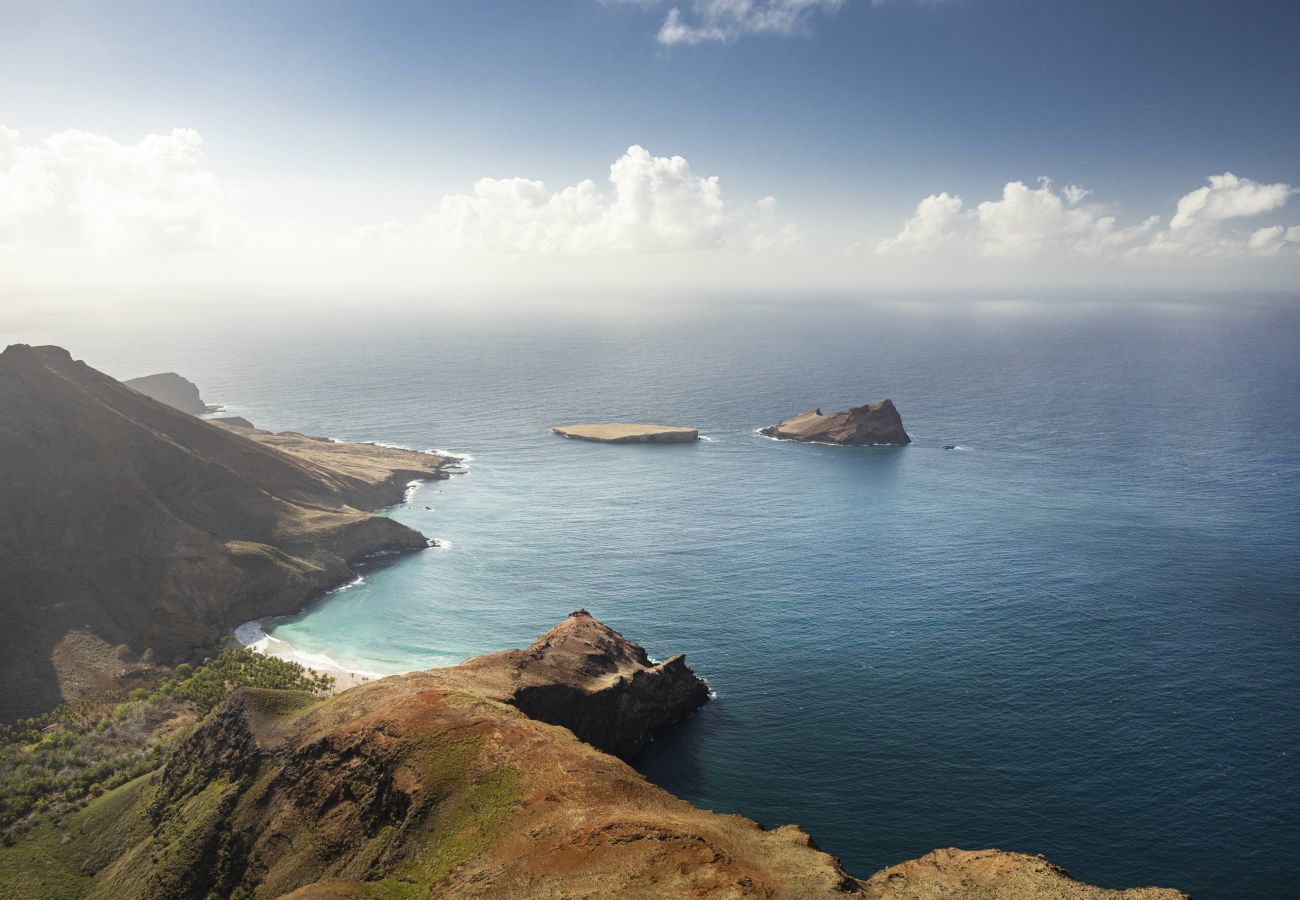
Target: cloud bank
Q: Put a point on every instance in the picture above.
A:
(655, 204)
(77, 189)
(1042, 221)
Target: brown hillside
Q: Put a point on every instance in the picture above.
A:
(125, 521)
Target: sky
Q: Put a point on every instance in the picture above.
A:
(612, 144)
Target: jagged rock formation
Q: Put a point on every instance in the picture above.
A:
(592, 680)
(428, 785)
(125, 521)
(170, 388)
(626, 433)
(873, 423)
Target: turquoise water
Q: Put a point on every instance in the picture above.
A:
(1077, 635)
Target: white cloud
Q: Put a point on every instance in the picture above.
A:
(726, 20)
(657, 204)
(937, 221)
(82, 189)
(1228, 197)
(723, 21)
(1042, 222)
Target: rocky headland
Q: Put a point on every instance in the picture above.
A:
(130, 529)
(170, 388)
(871, 423)
(454, 783)
(627, 433)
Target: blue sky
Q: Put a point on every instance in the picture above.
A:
(849, 113)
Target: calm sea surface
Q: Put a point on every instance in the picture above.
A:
(1077, 635)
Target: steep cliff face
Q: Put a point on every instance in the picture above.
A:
(425, 785)
(125, 521)
(872, 423)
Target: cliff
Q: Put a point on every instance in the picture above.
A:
(129, 528)
(872, 423)
(427, 785)
(170, 388)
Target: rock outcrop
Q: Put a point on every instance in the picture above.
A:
(427, 785)
(589, 678)
(627, 433)
(124, 521)
(873, 423)
(992, 875)
(170, 388)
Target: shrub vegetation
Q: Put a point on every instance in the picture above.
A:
(62, 759)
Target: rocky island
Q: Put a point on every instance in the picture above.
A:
(170, 388)
(625, 433)
(872, 423)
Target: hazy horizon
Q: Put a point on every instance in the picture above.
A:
(634, 145)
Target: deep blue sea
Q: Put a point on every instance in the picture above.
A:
(1077, 635)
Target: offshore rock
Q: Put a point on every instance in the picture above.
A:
(872, 423)
(170, 388)
(626, 433)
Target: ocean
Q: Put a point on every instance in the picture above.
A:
(1077, 635)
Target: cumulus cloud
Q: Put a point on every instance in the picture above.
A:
(654, 204)
(1228, 197)
(1042, 221)
(78, 189)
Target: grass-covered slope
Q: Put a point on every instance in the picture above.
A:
(423, 786)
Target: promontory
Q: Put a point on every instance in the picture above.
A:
(871, 423)
(627, 433)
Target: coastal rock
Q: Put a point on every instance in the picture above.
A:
(992, 875)
(130, 522)
(627, 433)
(231, 421)
(170, 388)
(589, 678)
(427, 784)
(872, 423)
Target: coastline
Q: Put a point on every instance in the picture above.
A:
(252, 634)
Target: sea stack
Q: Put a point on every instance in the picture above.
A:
(172, 389)
(626, 433)
(871, 423)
